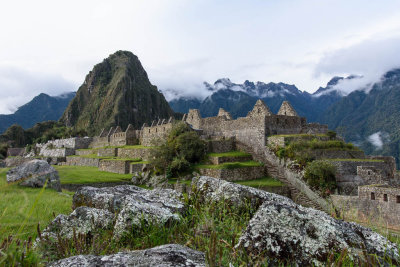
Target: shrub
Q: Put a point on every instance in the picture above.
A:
(320, 175)
(331, 134)
(182, 148)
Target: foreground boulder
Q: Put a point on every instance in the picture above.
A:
(166, 255)
(35, 173)
(82, 220)
(132, 205)
(292, 233)
(209, 189)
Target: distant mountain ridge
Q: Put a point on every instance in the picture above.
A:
(240, 98)
(41, 108)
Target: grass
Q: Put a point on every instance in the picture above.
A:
(230, 165)
(130, 147)
(140, 162)
(86, 175)
(229, 154)
(94, 156)
(298, 135)
(361, 160)
(262, 182)
(16, 201)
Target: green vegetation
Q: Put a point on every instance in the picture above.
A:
(302, 150)
(262, 182)
(363, 160)
(120, 78)
(140, 162)
(230, 165)
(182, 148)
(86, 175)
(320, 175)
(3, 151)
(229, 154)
(17, 202)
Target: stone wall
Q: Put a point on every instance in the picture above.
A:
(115, 166)
(85, 152)
(348, 179)
(153, 133)
(56, 152)
(15, 161)
(220, 160)
(221, 145)
(336, 154)
(314, 128)
(123, 139)
(138, 167)
(377, 205)
(281, 169)
(15, 151)
(237, 174)
(134, 153)
(74, 142)
(99, 142)
(81, 161)
(107, 152)
(280, 124)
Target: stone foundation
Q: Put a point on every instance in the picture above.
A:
(134, 153)
(85, 152)
(115, 166)
(137, 167)
(220, 160)
(221, 146)
(237, 174)
(107, 152)
(81, 161)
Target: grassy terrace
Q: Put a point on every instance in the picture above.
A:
(88, 175)
(140, 161)
(229, 154)
(20, 213)
(94, 156)
(230, 165)
(358, 160)
(262, 182)
(298, 135)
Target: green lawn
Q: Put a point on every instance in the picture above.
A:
(16, 202)
(262, 182)
(230, 154)
(230, 165)
(85, 175)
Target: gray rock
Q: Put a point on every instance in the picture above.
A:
(103, 198)
(209, 189)
(162, 256)
(145, 178)
(132, 205)
(35, 173)
(290, 232)
(81, 221)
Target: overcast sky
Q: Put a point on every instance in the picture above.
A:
(49, 46)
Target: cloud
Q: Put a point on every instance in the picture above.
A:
(370, 58)
(18, 86)
(378, 139)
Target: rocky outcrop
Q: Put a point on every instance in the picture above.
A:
(209, 189)
(145, 178)
(81, 221)
(132, 205)
(165, 256)
(288, 232)
(35, 173)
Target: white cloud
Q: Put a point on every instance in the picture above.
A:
(378, 139)
(183, 43)
(18, 86)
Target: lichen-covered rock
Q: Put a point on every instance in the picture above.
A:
(132, 205)
(211, 189)
(289, 232)
(145, 178)
(81, 221)
(35, 173)
(162, 256)
(103, 198)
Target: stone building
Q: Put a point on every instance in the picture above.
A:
(253, 129)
